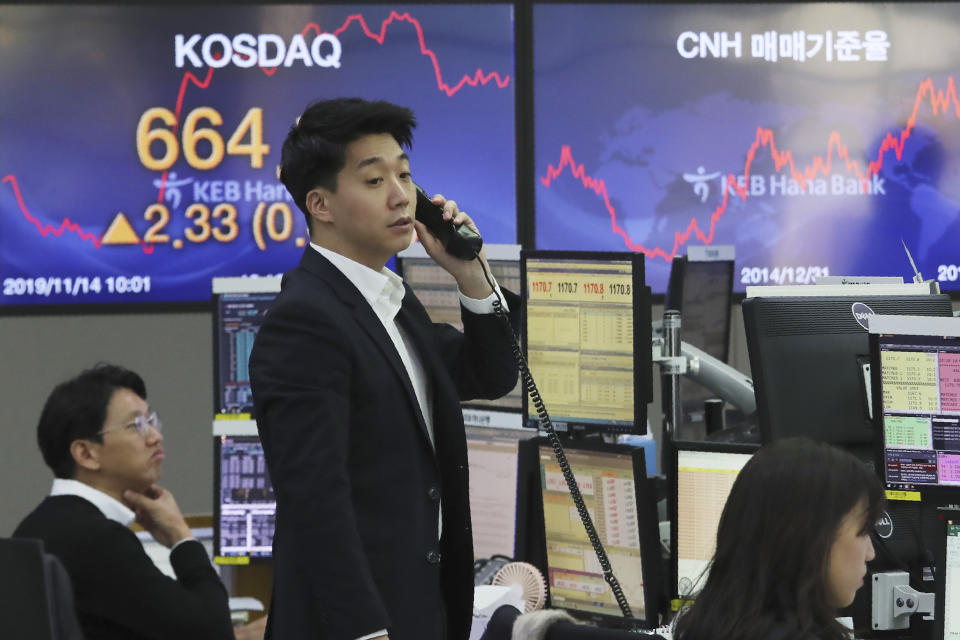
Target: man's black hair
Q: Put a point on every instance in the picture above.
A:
(314, 151)
(76, 410)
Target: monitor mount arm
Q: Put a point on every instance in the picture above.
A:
(677, 358)
(894, 601)
(719, 377)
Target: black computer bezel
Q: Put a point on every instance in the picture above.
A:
(803, 313)
(219, 558)
(217, 302)
(531, 529)
(673, 489)
(674, 299)
(642, 357)
(934, 491)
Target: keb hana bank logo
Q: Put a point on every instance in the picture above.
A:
(246, 50)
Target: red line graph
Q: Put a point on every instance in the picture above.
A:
(478, 78)
(187, 79)
(65, 225)
(940, 103)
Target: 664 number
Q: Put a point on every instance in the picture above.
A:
(193, 134)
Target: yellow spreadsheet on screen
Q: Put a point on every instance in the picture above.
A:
(580, 338)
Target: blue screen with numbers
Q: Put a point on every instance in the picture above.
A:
(140, 143)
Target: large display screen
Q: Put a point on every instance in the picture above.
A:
(814, 137)
(140, 144)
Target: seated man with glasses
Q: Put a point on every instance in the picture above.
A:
(102, 441)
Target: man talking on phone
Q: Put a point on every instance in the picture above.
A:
(357, 394)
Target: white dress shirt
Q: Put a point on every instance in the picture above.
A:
(383, 290)
(112, 508)
(109, 506)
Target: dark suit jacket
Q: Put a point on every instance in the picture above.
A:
(357, 482)
(119, 592)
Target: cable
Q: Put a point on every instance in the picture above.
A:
(530, 386)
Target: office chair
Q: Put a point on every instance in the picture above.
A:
(36, 596)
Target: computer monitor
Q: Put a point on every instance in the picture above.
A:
(437, 291)
(702, 291)
(948, 578)
(703, 477)
(916, 400)
(808, 357)
(492, 459)
(245, 509)
(166, 156)
(587, 339)
(621, 502)
(241, 305)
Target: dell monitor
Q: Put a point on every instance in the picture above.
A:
(245, 509)
(621, 502)
(809, 357)
(915, 366)
(704, 473)
(702, 291)
(587, 339)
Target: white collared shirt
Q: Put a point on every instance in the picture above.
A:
(384, 292)
(109, 506)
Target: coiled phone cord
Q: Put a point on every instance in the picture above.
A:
(530, 386)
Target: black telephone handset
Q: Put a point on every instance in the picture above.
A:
(460, 242)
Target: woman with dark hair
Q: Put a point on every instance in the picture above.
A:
(792, 547)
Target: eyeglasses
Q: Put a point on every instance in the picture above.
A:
(142, 424)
